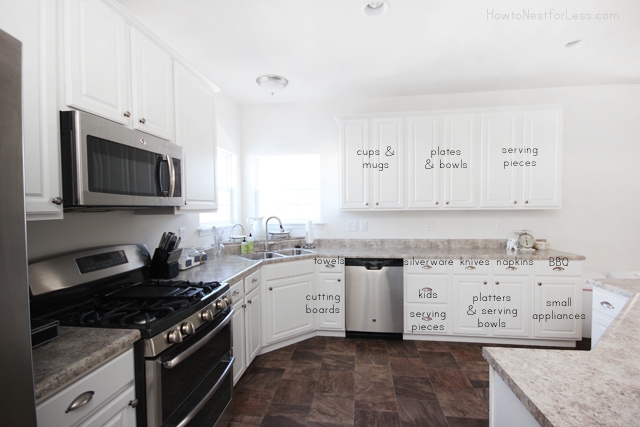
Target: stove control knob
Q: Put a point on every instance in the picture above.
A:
(221, 303)
(174, 336)
(187, 328)
(206, 315)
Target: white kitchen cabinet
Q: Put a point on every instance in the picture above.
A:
(426, 296)
(239, 330)
(372, 163)
(112, 398)
(441, 162)
(196, 133)
(606, 306)
(289, 310)
(114, 71)
(521, 159)
(558, 301)
(330, 294)
(253, 320)
(152, 87)
(34, 23)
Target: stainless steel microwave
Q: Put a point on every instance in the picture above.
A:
(107, 165)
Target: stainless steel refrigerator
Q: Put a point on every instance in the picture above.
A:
(17, 404)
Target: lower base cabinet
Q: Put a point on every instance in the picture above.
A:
(112, 393)
(606, 306)
(245, 323)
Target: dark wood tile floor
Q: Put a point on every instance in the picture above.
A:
(331, 382)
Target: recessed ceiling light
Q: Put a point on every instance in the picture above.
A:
(375, 8)
(575, 44)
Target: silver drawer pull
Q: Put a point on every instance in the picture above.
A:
(558, 268)
(330, 266)
(512, 268)
(255, 279)
(427, 319)
(236, 292)
(607, 304)
(469, 267)
(80, 401)
(427, 289)
(427, 267)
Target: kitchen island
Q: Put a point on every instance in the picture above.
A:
(600, 387)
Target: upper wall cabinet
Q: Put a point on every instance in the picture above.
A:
(33, 22)
(466, 159)
(372, 163)
(114, 71)
(196, 132)
(521, 159)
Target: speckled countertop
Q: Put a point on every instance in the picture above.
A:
(581, 388)
(76, 352)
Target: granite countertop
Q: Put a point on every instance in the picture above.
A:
(76, 352)
(581, 388)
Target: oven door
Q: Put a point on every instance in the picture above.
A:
(190, 384)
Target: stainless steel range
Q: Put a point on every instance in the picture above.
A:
(184, 361)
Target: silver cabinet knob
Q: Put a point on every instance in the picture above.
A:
(339, 280)
(255, 279)
(134, 403)
(437, 203)
(143, 120)
(57, 201)
(270, 288)
(497, 283)
(127, 114)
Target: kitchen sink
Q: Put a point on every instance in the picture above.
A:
(261, 255)
(293, 252)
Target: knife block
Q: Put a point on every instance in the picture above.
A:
(164, 265)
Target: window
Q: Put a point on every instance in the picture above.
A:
(288, 187)
(227, 175)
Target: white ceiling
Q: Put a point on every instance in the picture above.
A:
(330, 50)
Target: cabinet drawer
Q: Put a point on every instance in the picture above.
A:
(329, 265)
(502, 268)
(288, 269)
(421, 288)
(472, 266)
(103, 383)
(252, 281)
(237, 291)
(558, 267)
(427, 266)
(426, 319)
(607, 303)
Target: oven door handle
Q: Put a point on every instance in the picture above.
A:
(209, 395)
(188, 352)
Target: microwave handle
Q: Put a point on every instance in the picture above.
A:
(164, 159)
(172, 176)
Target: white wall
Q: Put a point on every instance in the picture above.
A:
(601, 202)
(80, 230)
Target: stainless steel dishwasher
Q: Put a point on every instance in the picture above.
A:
(373, 295)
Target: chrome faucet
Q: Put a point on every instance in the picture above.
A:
(266, 231)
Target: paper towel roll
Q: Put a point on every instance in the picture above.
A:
(309, 232)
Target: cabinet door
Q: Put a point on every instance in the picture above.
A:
(599, 325)
(458, 166)
(289, 312)
(354, 135)
(501, 182)
(424, 136)
(33, 22)
(511, 311)
(152, 87)
(196, 133)
(239, 337)
(331, 305)
(96, 60)
(469, 300)
(388, 168)
(558, 307)
(543, 135)
(252, 321)
(117, 413)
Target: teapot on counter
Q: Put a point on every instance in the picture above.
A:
(258, 230)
